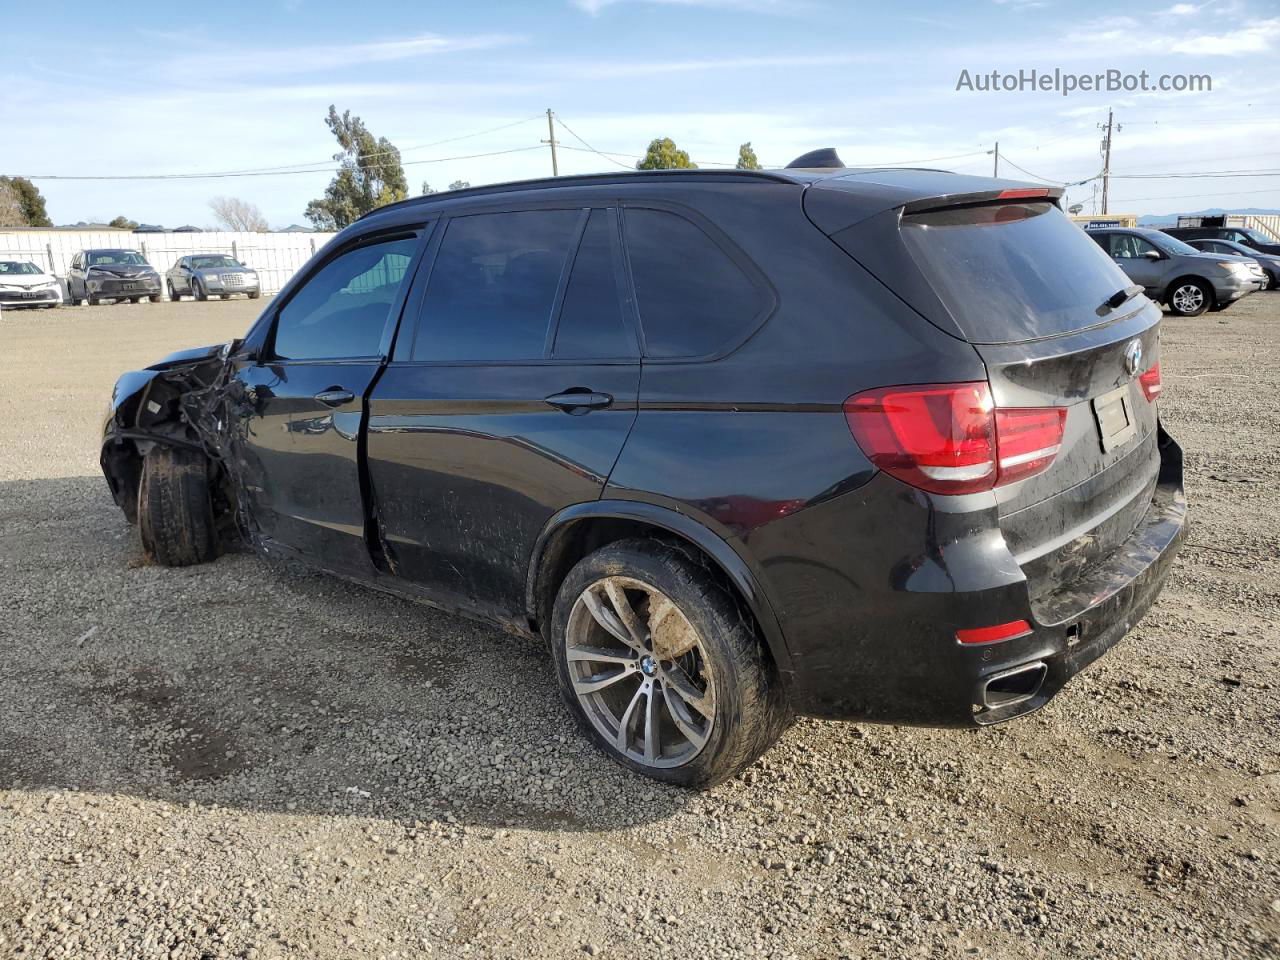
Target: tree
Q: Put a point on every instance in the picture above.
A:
(239, 215)
(11, 213)
(665, 155)
(30, 203)
(370, 175)
(426, 189)
(459, 184)
(747, 159)
(123, 223)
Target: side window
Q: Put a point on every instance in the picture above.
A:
(591, 324)
(342, 309)
(693, 299)
(493, 286)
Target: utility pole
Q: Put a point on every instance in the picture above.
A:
(996, 170)
(1106, 162)
(551, 133)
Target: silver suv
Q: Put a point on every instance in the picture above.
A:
(1169, 271)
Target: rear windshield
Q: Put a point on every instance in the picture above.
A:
(1014, 271)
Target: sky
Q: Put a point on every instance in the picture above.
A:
(232, 86)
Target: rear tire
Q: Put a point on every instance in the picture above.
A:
(715, 708)
(175, 511)
(1190, 298)
(255, 295)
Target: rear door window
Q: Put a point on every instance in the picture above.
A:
(1013, 271)
(693, 299)
(493, 286)
(341, 311)
(591, 324)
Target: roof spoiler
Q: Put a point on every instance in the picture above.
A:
(1051, 194)
(824, 158)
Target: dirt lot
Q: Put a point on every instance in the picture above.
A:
(246, 760)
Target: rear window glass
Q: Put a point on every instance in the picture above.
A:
(1010, 272)
(693, 299)
(493, 286)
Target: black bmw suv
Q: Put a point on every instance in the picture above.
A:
(874, 445)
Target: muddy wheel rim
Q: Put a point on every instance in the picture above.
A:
(640, 671)
(1188, 298)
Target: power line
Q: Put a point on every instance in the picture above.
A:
(589, 146)
(263, 173)
(1197, 196)
(316, 166)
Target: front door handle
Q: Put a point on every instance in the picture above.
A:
(579, 401)
(335, 396)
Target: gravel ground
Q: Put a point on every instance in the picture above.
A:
(248, 760)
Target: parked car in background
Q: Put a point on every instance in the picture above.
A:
(895, 456)
(1250, 237)
(23, 284)
(1269, 262)
(97, 275)
(202, 275)
(1171, 272)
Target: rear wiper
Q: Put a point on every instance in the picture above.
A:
(1121, 296)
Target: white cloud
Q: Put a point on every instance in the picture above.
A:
(1255, 38)
(1180, 10)
(1022, 4)
(640, 68)
(238, 62)
(594, 7)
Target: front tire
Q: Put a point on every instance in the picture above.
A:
(1190, 298)
(662, 667)
(198, 291)
(175, 510)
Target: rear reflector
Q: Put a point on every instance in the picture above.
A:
(1001, 631)
(949, 437)
(1150, 383)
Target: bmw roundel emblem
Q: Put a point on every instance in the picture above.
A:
(1133, 356)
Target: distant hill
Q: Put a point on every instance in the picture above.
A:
(1170, 219)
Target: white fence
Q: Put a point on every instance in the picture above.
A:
(275, 256)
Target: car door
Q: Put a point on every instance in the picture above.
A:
(75, 277)
(297, 441)
(512, 389)
(1132, 254)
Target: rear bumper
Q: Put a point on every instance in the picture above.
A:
(882, 647)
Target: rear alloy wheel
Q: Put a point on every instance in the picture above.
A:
(1190, 298)
(660, 665)
(175, 510)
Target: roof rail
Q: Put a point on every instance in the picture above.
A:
(586, 179)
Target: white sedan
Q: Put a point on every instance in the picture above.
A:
(23, 284)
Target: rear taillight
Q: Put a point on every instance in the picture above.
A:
(1150, 383)
(950, 438)
(1028, 438)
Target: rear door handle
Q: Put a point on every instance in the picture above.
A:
(335, 397)
(579, 401)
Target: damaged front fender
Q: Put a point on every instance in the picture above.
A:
(170, 402)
